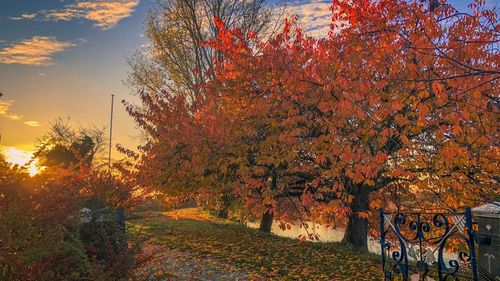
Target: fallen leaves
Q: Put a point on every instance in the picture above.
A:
(254, 255)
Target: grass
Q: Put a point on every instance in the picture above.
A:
(260, 256)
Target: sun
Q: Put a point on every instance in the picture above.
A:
(22, 158)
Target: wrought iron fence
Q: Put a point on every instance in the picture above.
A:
(421, 245)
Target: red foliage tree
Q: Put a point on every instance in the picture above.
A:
(396, 98)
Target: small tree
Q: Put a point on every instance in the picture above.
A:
(68, 147)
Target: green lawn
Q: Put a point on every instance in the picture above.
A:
(235, 250)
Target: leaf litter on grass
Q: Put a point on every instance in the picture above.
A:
(199, 247)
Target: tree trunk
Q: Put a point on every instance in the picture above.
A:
(356, 233)
(223, 212)
(225, 204)
(266, 223)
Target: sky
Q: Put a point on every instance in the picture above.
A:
(64, 58)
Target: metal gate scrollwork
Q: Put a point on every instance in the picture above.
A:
(438, 246)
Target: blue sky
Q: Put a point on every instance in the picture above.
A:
(64, 58)
(66, 66)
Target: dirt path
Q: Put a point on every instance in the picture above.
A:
(184, 266)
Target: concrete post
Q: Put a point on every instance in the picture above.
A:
(488, 257)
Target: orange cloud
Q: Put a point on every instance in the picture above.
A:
(35, 51)
(5, 110)
(105, 13)
(32, 123)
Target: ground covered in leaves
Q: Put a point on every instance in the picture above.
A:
(192, 245)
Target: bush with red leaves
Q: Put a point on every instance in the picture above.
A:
(42, 237)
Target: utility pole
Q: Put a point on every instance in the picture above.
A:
(110, 132)
(120, 212)
(1, 134)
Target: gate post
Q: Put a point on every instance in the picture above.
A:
(382, 241)
(472, 249)
(488, 238)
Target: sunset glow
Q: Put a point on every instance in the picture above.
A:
(22, 158)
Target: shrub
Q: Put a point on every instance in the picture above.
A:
(41, 237)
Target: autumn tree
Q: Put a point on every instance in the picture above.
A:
(226, 141)
(425, 104)
(396, 97)
(69, 147)
(177, 62)
(186, 148)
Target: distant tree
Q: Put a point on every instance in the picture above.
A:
(69, 147)
(176, 58)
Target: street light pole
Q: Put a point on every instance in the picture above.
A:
(0, 133)
(110, 132)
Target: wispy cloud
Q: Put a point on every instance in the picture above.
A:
(105, 13)
(32, 123)
(27, 16)
(314, 16)
(5, 110)
(14, 116)
(35, 51)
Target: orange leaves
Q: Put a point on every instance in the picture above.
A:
(321, 159)
(344, 108)
(325, 106)
(422, 111)
(457, 130)
(405, 140)
(316, 182)
(369, 182)
(397, 105)
(373, 99)
(401, 120)
(347, 155)
(453, 154)
(376, 203)
(437, 87)
(441, 95)
(452, 202)
(364, 215)
(343, 83)
(397, 172)
(327, 89)
(338, 187)
(334, 204)
(307, 199)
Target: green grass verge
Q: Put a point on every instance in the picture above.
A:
(262, 256)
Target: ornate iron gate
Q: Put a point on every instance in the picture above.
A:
(409, 242)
